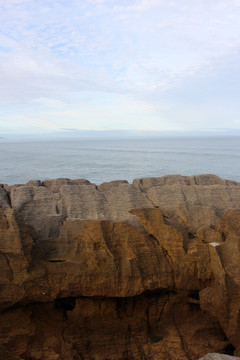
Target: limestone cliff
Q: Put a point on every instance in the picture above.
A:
(148, 270)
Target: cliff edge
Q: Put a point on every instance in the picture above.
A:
(148, 270)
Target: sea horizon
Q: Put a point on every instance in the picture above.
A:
(71, 134)
(106, 159)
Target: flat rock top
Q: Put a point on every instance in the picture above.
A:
(215, 356)
(192, 200)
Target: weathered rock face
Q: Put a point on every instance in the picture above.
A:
(148, 270)
(215, 356)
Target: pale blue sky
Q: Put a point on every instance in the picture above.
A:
(117, 64)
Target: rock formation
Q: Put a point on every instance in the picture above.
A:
(148, 270)
(214, 356)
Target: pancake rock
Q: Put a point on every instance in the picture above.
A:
(215, 356)
(148, 270)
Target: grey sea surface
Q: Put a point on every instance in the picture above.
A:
(100, 160)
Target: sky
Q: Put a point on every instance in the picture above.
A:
(147, 65)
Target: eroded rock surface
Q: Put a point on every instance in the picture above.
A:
(148, 270)
(215, 356)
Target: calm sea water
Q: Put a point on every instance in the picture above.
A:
(100, 160)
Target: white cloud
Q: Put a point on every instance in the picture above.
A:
(56, 51)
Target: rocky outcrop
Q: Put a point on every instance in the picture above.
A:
(215, 356)
(148, 270)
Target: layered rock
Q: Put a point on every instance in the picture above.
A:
(148, 270)
(215, 356)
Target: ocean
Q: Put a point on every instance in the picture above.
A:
(100, 160)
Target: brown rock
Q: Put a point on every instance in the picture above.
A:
(55, 184)
(40, 208)
(222, 299)
(106, 186)
(4, 201)
(146, 184)
(6, 355)
(148, 270)
(46, 207)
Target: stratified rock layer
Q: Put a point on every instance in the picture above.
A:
(148, 270)
(215, 356)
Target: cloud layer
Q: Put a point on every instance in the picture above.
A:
(111, 64)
